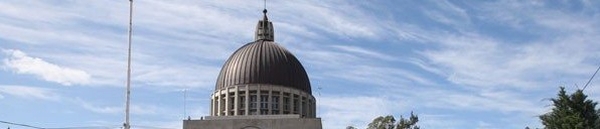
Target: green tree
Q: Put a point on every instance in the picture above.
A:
(351, 127)
(573, 111)
(410, 123)
(381, 122)
(389, 122)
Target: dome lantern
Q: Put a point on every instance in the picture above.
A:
(264, 29)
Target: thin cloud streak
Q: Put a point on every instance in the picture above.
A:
(342, 111)
(365, 52)
(136, 109)
(29, 92)
(183, 76)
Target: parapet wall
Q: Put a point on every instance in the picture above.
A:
(260, 123)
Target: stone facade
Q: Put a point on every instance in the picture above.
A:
(260, 99)
(254, 122)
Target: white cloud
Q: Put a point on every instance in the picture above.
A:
(493, 73)
(532, 14)
(23, 64)
(476, 60)
(29, 92)
(358, 111)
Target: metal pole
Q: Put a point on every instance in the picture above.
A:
(127, 94)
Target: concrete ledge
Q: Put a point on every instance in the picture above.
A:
(260, 122)
(287, 116)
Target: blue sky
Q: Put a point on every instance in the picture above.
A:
(457, 64)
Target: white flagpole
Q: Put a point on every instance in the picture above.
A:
(127, 94)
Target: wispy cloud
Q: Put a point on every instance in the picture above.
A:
(177, 76)
(449, 14)
(487, 101)
(19, 62)
(358, 111)
(477, 61)
(364, 52)
(439, 121)
(138, 109)
(29, 92)
(101, 53)
(102, 109)
(341, 20)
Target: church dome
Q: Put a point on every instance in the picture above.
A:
(263, 78)
(263, 62)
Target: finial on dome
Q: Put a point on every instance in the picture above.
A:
(265, 11)
(264, 28)
(265, 15)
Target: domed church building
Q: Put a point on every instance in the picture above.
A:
(261, 86)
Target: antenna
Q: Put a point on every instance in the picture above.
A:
(586, 84)
(126, 125)
(265, 6)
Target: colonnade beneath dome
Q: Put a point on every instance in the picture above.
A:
(260, 99)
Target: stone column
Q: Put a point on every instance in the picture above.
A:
(227, 101)
(300, 106)
(236, 101)
(216, 105)
(219, 103)
(281, 101)
(258, 101)
(292, 104)
(269, 99)
(247, 101)
(212, 107)
(314, 107)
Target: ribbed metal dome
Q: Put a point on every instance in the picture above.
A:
(263, 62)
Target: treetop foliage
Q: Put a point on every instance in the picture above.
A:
(573, 111)
(389, 122)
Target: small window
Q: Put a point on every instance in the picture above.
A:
(275, 102)
(242, 102)
(253, 102)
(286, 103)
(264, 102)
